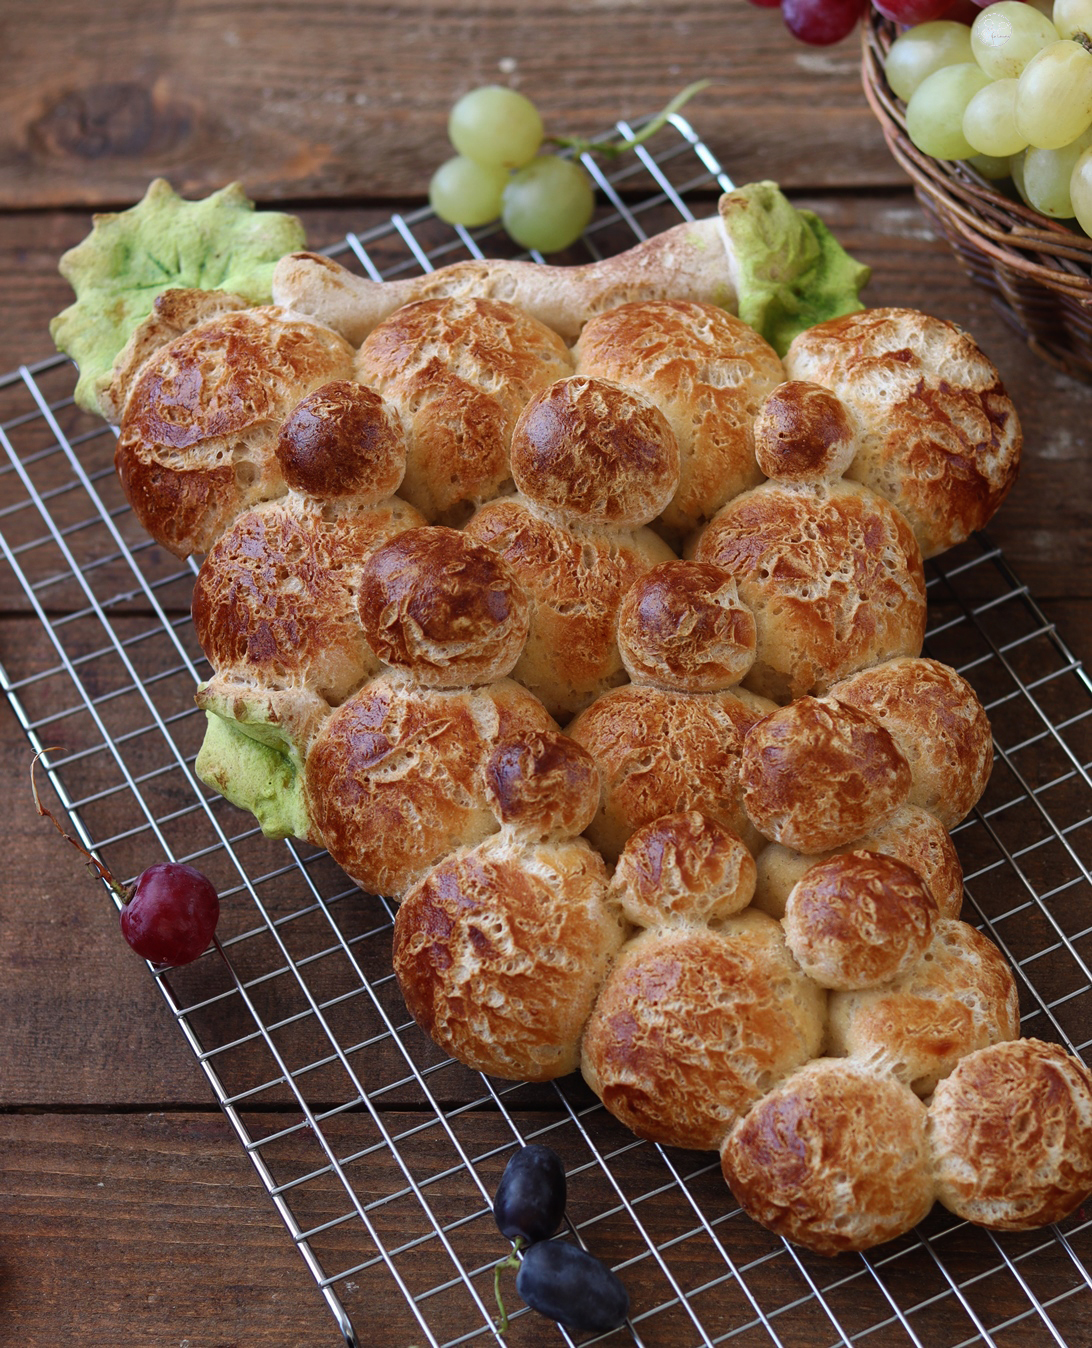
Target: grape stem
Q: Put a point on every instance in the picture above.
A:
(511, 1261)
(94, 865)
(611, 149)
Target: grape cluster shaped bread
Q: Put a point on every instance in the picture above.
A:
(726, 892)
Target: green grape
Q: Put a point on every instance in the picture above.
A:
(1072, 17)
(1054, 96)
(1080, 190)
(991, 167)
(921, 50)
(495, 126)
(548, 204)
(1016, 171)
(1006, 36)
(1048, 175)
(989, 122)
(934, 115)
(465, 193)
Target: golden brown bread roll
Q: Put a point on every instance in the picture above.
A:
(659, 752)
(959, 997)
(682, 625)
(693, 1025)
(199, 431)
(858, 920)
(460, 371)
(939, 724)
(817, 774)
(395, 777)
(442, 608)
(683, 868)
(938, 434)
(542, 783)
(803, 433)
(911, 835)
(1011, 1133)
(707, 371)
(835, 1158)
(833, 575)
(500, 952)
(342, 440)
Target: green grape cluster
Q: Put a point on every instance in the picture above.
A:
(1012, 94)
(544, 201)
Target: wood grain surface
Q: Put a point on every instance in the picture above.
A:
(129, 1215)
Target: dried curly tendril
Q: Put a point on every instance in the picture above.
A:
(162, 243)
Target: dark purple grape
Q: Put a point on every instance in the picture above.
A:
(572, 1287)
(172, 914)
(530, 1199)
(821, 22)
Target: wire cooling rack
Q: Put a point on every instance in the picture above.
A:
(384, 1175)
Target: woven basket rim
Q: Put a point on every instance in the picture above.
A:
(1005, 231)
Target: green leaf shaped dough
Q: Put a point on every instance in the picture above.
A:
(163, 242)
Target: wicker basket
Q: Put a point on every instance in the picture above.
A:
(1039, 271)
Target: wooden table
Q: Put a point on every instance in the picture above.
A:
(129, 1216)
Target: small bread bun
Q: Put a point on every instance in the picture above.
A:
(817, 774)
(445, 609)
(959, 997)
(1011, 1132)
(707, 371)
(576, 577)
(395, 777)
(911, 835)
(682, 625)
(460, 370)
(342, 440)
(803, 433)
(937, 433)
(834, 1159)
(500, 952)
(832, 574)
(938, 723)
(683, 868)
(590, 448)
(199, 432)
(693, 1026)
(660, 753)
(858, 920)
(543, 783)
(275, 598)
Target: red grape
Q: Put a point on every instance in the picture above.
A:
(766, 4)
(821, 22)
(910, 12)
(172, 914)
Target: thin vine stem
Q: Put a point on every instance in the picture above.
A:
(611, 149)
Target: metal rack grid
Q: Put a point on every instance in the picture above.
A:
(387, 1170)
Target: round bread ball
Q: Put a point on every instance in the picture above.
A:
(682, 625)
(342, 440)
(937, 433)
(833, 575)
(1011, 1132)
(707, 371)
(395, 777)
(590, 448)
(275, 597)
(817, 774)
(443, 608)
(501, 950)
(660, 752)
(960, 996)
(938, 723)
(858, 920)
(683, 868)
(543, 783)
(911, 835)
(803, 434)
(199, 432)
(693, 1026)
(834, 1159)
